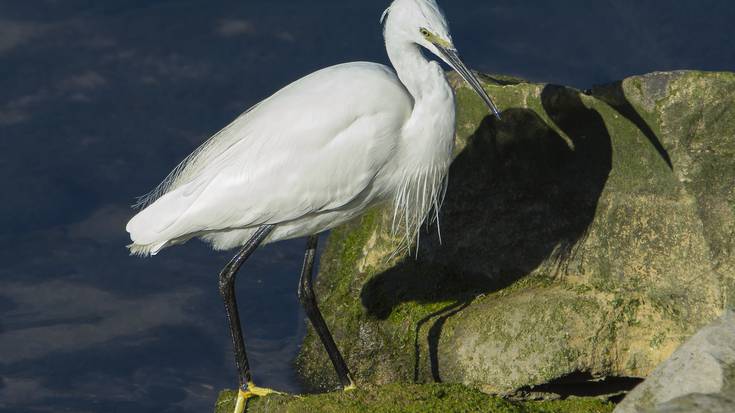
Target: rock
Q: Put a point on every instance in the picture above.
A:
(438, 398)
(584, 235)
(697, 403)
(699, 376)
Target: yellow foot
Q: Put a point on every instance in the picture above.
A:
(351, 386)
(249, 393)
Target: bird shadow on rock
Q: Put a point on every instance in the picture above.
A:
(520, 193)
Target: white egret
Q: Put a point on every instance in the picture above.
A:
(314, 155)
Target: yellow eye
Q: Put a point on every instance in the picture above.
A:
(424, 32)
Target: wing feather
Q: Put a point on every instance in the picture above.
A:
(312, 147)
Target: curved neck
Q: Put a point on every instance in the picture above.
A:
(408, 61)
(432, 122)
(418, 74)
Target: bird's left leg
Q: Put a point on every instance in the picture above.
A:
(227, 290)
(308, 300)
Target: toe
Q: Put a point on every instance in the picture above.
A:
(260, 391)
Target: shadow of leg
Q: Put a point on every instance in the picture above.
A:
(417, 333)
(434, 334)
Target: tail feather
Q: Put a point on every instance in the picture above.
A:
(146, 250)
(160, 224)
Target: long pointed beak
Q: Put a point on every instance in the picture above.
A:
(451, 56)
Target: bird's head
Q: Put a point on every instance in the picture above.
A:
(422, 22)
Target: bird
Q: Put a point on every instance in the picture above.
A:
(316, 154)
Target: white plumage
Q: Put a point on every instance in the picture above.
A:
(322, 150)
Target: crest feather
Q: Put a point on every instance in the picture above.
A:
(384, 15)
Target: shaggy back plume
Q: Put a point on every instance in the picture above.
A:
(191, 167)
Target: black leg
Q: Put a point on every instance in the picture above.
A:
(227, 290)
(308, 300)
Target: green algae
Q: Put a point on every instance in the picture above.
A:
(410, 398)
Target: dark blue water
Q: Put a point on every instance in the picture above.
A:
(100, 99)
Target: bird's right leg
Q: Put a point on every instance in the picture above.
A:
(308, 301)
(227, 289)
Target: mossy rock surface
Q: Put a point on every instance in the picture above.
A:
(584, 233)
(409, 398)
